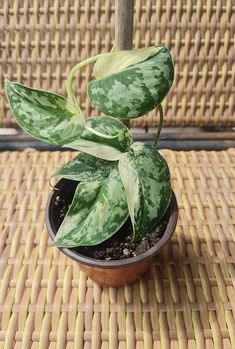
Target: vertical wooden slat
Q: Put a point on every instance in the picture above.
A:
(124, 13)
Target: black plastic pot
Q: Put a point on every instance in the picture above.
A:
(112, 272)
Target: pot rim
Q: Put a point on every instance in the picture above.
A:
(120, 263)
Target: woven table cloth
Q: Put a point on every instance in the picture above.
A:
(185, 300)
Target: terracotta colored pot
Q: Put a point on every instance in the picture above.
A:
(112, 273)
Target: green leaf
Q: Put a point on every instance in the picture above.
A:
(103, 147)
(146, 179)
(83, 166)
(98, 211)
(136, 89)
(44, 115)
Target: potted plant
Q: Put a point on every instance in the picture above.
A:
(113, 208)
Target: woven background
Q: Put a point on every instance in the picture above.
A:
(186, 300)
(41, 40)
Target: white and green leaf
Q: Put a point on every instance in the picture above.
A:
(82, 167)
(101, 151)
(44, 115)
(129, 91)
(116, 61)
(109, 148)
(146, 179)
(98, 210)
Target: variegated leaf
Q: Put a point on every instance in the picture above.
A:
(83, 166)
(136, 89)
(98, 210)
(102, 147)
(116, 61)
(44, 115)
(146, 179)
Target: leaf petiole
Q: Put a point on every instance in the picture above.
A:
(71, 97)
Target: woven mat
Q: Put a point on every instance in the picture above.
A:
(41, 40)
(185, 300)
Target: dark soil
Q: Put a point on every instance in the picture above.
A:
(119, 246)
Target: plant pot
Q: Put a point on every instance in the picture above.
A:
(112, 273)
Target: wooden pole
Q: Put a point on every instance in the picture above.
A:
(124, 13)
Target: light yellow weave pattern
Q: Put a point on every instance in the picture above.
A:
(185, 300)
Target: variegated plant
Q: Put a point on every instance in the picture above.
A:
(116, 177)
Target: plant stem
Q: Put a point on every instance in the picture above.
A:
(160, 125)
(71, 97)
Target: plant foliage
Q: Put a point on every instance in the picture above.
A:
(116, 177)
